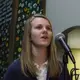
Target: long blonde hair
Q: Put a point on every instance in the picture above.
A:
(26, 55)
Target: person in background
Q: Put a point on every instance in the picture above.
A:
(38, 60)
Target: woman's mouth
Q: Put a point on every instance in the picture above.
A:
(44, 37)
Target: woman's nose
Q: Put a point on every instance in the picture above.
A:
(44, 30)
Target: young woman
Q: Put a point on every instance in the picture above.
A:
(38, 59)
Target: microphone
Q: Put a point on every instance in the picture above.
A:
(61, 38)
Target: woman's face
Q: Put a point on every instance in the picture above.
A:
(41, 32)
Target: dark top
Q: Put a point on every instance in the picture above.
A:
(14, 73)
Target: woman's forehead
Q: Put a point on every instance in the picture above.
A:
(40, 20)
(34, 17)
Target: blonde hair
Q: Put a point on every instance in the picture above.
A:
(26, 56)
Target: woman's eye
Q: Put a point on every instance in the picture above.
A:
(38, 27)
(49, 28)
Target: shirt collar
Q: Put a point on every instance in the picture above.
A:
(43, 65)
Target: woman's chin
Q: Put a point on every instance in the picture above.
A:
(44, 44)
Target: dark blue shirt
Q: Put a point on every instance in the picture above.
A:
(14, 73)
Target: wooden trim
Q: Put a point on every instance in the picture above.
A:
(12, 30)
(44, 6)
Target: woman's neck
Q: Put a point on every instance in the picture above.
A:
(39, 54)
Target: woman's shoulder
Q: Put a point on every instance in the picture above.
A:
(15, 64)
(13, 70)
(62, 74)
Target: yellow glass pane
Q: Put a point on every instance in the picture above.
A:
(76, 53)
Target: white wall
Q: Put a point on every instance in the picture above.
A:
(63, 13)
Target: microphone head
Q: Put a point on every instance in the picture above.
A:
(58, 41)
(59, 35)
